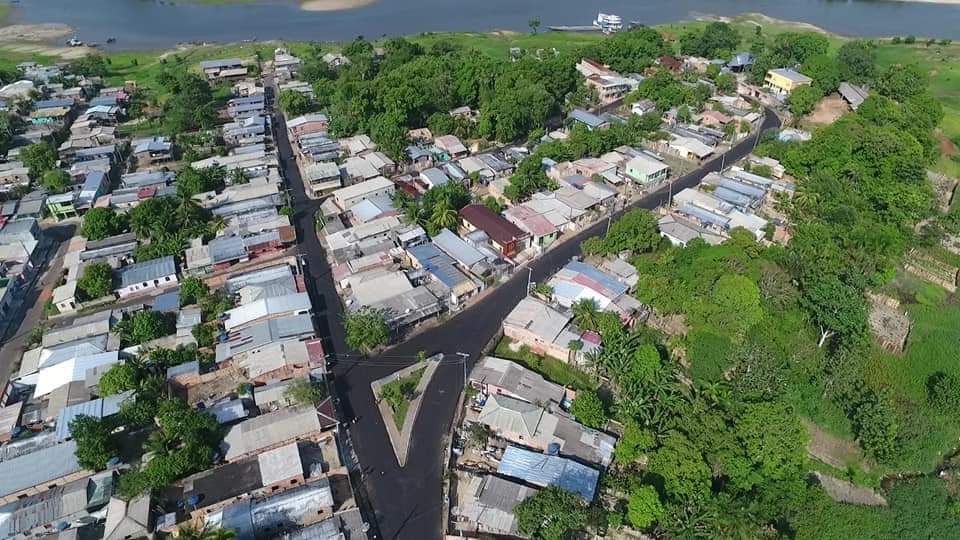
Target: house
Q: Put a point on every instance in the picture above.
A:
(589, 68)
(351, 195)
(19, 231)
(281, 360)
(610, 88)
(152, 151)
(230, 68)
(94, 185)
(433, 177)
(358, 169)
(487, 504)
(147, 276)
(854, 95)
(381, 162)
(451, 145)
(548, 470)
(642, 107)
(680, 231)
(689, 147)
(670, 63)
(741, 62)
(504, 235)
(543, 328)
(498, 377)
(266, 308)
(269, 431)
(39, 471)
(592, 121)
(457, 285)
(128, 518)
(714, 119)
(646, 169)
(533, 426)
(307, 124)
(357, 145)
(13, 174)
(783, 81)
(578, 281)
(542, 232)
(321, 178)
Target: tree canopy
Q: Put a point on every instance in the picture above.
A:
(96, 281)
(100, 223)
(551, 514)
(366, 329)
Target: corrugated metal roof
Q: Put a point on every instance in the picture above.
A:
(38, 468)
(269, 429)
(148, 271)
(440, 265)
(228, 411)
(96, 408)
(544, 470)
(457, 248)
(71, 370)
(291, 303)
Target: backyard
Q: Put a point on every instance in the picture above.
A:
(552, 369)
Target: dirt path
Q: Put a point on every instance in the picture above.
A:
(831, 449)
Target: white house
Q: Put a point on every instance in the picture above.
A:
(147, 276)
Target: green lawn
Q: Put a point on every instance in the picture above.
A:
(552, 369)
(498, 44)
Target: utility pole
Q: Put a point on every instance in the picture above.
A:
(609, 219)
(529, 279)
(464, 357)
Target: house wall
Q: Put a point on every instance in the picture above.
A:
(536, 344)
(142, 288)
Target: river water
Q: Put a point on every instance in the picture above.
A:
(151, 24)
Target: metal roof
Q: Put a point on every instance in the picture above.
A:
(148, 271)
(226, 248)
(225, 63)
(457, 248)
(73, 370)
(96, 408)
(228, 411)
(38, 468)
(545, 470)
(269, 429)
(291, 303)
(280, 464)
(440, 265)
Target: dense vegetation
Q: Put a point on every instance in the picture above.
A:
(772, 337)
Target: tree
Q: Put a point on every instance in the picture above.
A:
(96, 281)
(635, 232)
(294, 103)
(189, 532)
(717, 39)
(192, 181)
(144, 326)
(680, 464)
(120, 378)
(586, 314)
(738, 301)
(192, 291)
(366, 329)
(644, 507)
(551, 514)
(92, 65)
(876, 427)
(825, 72)
(803, 100)
(857, 61)
(55, 181)
(8, 127)
(39, 158)
(191, 105)
(100, 223)
(902, 82)
(534, 24)
(95, 444)
(836, 307)
(589, 410)
(633, 444)
(305, 392)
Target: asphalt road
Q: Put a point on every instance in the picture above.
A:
(407, 500)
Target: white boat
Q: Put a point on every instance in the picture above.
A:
(74, 42)
(608, 22)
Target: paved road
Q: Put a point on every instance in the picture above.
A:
(408, 500)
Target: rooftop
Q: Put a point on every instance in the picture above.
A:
(148, 271)
(546, 470)
(496, 226)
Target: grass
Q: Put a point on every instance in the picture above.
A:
(498, 44)
(931, 348)
(552, 369)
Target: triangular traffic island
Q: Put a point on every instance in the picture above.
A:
(398, 398)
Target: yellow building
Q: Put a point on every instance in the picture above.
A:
(784, 81)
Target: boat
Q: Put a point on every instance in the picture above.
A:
(74, 42)
(608, 22)
(111, 40)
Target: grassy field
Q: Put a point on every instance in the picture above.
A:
(400, 407)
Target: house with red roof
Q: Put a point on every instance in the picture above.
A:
(505, 236)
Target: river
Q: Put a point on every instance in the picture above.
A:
(153, 24)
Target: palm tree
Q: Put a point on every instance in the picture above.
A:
(217, 224)
(190, 532)
(586, 314)
(444, 216)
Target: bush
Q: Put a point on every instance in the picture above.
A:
(910, 40)
(930, 294)
(943, 392)
(589, 410)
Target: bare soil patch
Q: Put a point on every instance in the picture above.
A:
(828, 111)
(831, 449)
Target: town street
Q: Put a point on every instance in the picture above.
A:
(408, 500)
